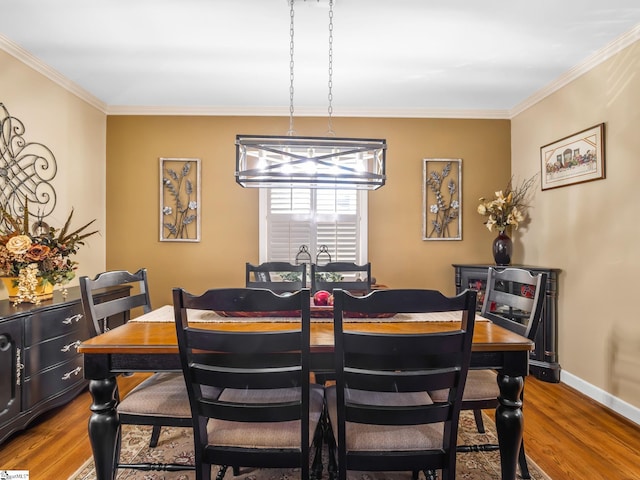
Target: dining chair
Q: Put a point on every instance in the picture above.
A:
(344, 275)
(513, 299)
(381, 417)
(159, 400)
(268, 414)
(278, 277)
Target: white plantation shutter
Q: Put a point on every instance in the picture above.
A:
(294, 217)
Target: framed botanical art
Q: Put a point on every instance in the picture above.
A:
(180, 199)
(574, 159)
(442, 199)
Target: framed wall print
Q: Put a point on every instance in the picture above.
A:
(442, 199)
(180, 199)
(574, 159)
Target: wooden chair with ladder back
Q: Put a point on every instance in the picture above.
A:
(268, 413)
(380, 413)
(513, 299)
(159, 400)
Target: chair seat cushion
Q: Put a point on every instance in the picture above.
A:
(265, 434)
(481, 385)
(160, 395)
(384, 437)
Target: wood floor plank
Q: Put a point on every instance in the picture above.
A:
(568, 435)
(573, 437)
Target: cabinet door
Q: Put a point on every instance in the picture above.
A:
(11, 375)
(474, 279)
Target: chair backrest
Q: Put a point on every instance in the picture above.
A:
(384, 363)
(101, 312)
(344, 275)
(514, 299)
(246, 361)
(278, 277)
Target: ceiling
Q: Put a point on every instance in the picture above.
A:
(390, 58)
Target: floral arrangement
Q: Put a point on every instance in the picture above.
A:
(508, 207)
(39, 256)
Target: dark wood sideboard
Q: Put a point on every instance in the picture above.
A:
(40, 367)
(543, 361)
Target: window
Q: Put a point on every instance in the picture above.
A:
(291, 217)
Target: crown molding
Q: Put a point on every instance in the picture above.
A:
(304, 112)
(620, 43)
(36, 64)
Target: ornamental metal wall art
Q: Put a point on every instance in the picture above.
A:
(442, 199)
(179, 199)
(26, 170)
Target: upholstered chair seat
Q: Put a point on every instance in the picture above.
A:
(384, 437)
(163, 394)
(265, 434)
(481, 385)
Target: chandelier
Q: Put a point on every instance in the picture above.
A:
(310, 162)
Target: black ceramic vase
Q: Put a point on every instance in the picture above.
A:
(502, 248)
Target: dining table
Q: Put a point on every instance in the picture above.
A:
(148, 343)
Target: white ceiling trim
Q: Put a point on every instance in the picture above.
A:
(620, 43)
(50, 73)
(308, 112)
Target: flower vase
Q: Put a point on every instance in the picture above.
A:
(44, 291)
(502, 248)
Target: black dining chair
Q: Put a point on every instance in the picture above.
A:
(344, 275)
(513, 299)
(380, 414)
(278, 277)
(159, 400)
(268, 413)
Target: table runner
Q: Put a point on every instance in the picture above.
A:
(165, 314)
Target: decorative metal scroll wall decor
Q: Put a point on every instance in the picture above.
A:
(442, 199)
(26, 170)
(180, 199)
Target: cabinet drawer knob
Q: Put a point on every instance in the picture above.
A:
(74, 318)
(73, 372)
(75, 344)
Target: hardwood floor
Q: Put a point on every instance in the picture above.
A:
(573, 437)
(568, 435)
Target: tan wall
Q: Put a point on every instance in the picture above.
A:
(75, 132)
(591, 230)
(399, 256)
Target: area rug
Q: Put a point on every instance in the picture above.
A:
(176, 446)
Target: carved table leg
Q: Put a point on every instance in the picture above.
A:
(509, 423)
(104, 427)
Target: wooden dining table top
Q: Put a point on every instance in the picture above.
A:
(155, 338)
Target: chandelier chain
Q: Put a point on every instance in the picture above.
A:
(291, 64)
(330, 96)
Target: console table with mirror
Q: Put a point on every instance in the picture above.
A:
(543, 362)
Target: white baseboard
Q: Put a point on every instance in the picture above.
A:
(605, 398)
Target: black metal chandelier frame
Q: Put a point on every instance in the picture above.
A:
(310, 162)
